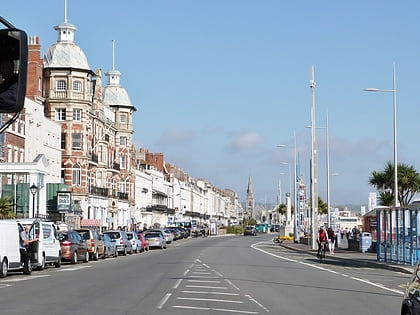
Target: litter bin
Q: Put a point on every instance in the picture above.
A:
(365, 241)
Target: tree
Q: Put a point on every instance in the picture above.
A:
(408, 183)
(322, 206)
(6, 208)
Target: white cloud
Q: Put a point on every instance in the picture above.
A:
(175, 136)
(245, 141)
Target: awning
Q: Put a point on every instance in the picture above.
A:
(90, 222)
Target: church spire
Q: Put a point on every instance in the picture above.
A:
(250, 199)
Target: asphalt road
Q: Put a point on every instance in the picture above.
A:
(214, 275)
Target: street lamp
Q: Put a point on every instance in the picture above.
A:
(33, 190)
(394, 97)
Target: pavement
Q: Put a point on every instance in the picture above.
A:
(351, 257)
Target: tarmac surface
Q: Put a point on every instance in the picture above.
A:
(358, 258)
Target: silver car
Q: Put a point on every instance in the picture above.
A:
(155, 239)
(121, 240)
(110, 246)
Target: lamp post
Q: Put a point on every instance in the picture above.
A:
(33, 190)
(394, 97)
(295, 196)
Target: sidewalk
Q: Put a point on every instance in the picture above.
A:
(348, 257)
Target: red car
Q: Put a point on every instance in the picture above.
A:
(144, 242)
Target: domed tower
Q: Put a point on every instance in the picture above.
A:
(68, 92)
(116, 98)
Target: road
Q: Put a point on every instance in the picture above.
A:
(214, 275)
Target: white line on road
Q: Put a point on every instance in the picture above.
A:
(186, 272)
(213, 309)
(230, 282)
(177, 284)
(76, 268)
(324, 269)
(205, 287)
(210, 300)
(210, 292)
(258, 303)
(32, 277)
(204, 281)
(164, 300)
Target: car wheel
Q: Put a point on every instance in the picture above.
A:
(106, 253)
(74, 258)
(27, 266)
(42, 265)
(57, 263)
(115, 253)
(86, 257)
(3, 268)
(95, 255)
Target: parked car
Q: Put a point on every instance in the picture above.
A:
(134, 240)
(121, 240)
(94, 242)
(250, 230)
(411, 303)
(168, 234)
(177, 232)
(155, 239)
(73, 247)
(110, 246)
(143, 241)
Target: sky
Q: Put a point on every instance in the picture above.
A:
(219, 84)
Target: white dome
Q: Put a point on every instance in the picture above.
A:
(114, 95)
(65, 53)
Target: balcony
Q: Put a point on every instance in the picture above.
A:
(98, 191)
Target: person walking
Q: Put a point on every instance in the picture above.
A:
(331, 240)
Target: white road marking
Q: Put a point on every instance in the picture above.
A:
(164, 300)
(177, 284)
(205, 287)
(186, 272)
(213, 309)
(230, 282)
(210, 300)
(324, 269)
(76, 268)
(210, 292)
(258, 303)
(31, 277)
(204, 281)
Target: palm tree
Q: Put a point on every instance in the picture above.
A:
(408, 183)
(6, 208)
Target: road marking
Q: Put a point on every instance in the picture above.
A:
(76, 268)
(230, 282)
(218, 273)
(164, 300)
(4, 285)
(210, 292)
(213, 309)
(210, 300)
(177, 284)
(258, 303)
(186, 272)
(324, 269)
(205, 287)
(32, 277)
(205, 281)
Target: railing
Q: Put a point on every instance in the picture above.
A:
(99, 191)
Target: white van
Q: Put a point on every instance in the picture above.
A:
(47, 250)
(10, 253)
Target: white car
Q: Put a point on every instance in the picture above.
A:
(135, 242)
(167, 233)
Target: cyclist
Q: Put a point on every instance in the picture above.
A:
(322, 240)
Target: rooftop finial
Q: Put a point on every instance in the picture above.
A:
(113, 55)
(65, 11)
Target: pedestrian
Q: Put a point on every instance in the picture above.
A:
(331, 240)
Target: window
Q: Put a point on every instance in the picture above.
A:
(63, 141)
(123, 161)
(77, 86)
(77, 141)
(123, 140)
(76, 173)
(122, 187)
(60, 114)
(123, 118)
(77, 114)
(61, 85)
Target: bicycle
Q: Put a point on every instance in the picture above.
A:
(322, 250)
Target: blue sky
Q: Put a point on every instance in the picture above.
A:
(218, 84)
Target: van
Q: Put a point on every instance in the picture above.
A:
(11, 256)
(47, 251)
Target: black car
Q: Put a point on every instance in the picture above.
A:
(411, 301)
(250, 230)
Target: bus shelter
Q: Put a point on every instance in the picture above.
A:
(397, 233)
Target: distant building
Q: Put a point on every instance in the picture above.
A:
(250, 201)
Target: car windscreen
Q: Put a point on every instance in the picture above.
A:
(113, 235)
(152, 235)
